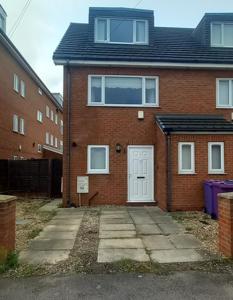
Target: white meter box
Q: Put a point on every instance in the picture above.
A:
(82, 184)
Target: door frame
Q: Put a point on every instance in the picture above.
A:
(152, 177)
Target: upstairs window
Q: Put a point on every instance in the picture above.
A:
(21, 126)
(47, 112)
(15, 123)
(16, 83)
(123, 91)
(225, 93)
(222, 34)
(22, 88)
(39, 116)
(122, 31)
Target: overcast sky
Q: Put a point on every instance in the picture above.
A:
(45, 22)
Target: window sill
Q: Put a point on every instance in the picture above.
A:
(187, 173)
(225, 107)
(217, 173)
(123, 105)
(96, 173)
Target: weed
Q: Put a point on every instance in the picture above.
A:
(10, 263)
(35, 232)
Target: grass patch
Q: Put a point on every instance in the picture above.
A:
(10, 263)
(46, 216)
(131, 266)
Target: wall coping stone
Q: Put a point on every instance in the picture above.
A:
(7, 198)
(228, 196)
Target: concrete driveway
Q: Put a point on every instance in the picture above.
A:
(144, 234)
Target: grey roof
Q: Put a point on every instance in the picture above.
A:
(193, 123)
(167, 44)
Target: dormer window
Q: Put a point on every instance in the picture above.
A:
(221, 34)
(121, 31)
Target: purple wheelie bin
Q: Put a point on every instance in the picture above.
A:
(208, 193)
(219, 187)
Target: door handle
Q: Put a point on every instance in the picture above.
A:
(140, 177)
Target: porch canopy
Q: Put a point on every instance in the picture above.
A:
(182, 123)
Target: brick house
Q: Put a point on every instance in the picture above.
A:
(147, 109)
(31, 117)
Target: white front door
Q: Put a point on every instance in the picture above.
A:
(140, 173)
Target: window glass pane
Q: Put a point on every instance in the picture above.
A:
(98, 156)
(123, 90)
(121, 31)
(224, 92)
(216, 157)
(101, 30)
(96, 83)
(140, 31)
(150, 90)
(216, 37)
(186, 157)
(228, 34)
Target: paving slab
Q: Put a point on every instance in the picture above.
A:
(53, 205)
(171, 228)
(148, 229)
(175, 256)
(157, 242)
(185, 241)
(51, 244)
(142, 220)
(65, 221)
(134, 243)
(43, 257)
(113, 255)
(68, 217)
(162, 219)
(110, 212)
(115, 216)
(61, 228)
(117, 234)
(60, 235)
(117, 227)
(116, 221)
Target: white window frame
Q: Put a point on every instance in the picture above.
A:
(51, 115)
(39, 148)
(215, 171)
(56, 119)
(40, 91)
(218, 105)
(22, 89)
(39, 116)
(61, 145)
(47, 111)
(22, 126)
(61, 127)
(15, 123)
(144, 104)
(222, 34)
(16, 83)
(134, 31)
(55, 143)
(97, 171)
(51, 140)
(47, 138)
(180, 169)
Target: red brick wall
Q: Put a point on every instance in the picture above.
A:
(188, 193)
(226, 224)
(181, 91)
(7, 227)
(12, 103)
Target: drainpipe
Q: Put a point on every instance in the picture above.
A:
(169, 172)
(68, 84)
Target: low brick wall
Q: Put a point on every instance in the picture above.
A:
(225, 208)
(7, 225)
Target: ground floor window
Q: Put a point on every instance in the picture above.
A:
(98, 159)
(216, 157)
(186, 159)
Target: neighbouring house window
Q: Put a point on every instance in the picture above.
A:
(216, 157)
(51, 140)
(55, 142)
(51, 115)
(22, 88)
(47, 138)
(40, 91)
(225, 93)
(16, 83)
(123, 91)
(186, 158)
(98, 159)
(56, 119)
(15, 123)
(39, 148)
(222, 34)
(21, 126)
(47, 112)
(61, 128)
(122, 31)
(39, 116)
(61, 145)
